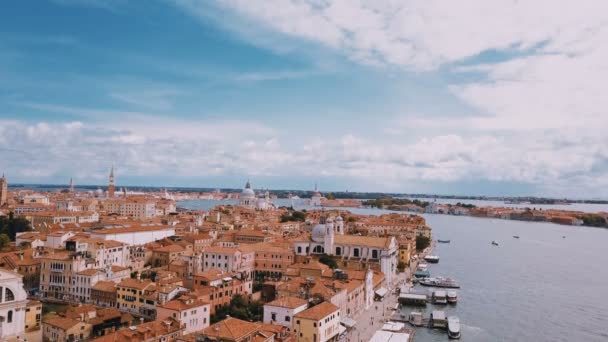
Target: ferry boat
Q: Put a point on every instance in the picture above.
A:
(440, 282)
(452, 297)
(443, 241)
(439, 297)
(433, 259)
(453, 327)
(495, 243)
(415, 318)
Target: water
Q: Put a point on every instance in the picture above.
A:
(540, 287)
(584, 207)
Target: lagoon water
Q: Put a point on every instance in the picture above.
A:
(541, 287)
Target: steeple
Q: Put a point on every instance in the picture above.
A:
(3, 190)
(71, 185)
(111, 187)
(248, 184)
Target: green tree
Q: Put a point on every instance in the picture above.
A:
(329, 261)
(422, 242)
(4, 240)
(12, 225)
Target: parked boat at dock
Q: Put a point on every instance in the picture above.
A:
(433, 259)
(422, 274)
(438, 320)
(440, 282)
(452, 297)
(453, 327)
(416, 319)
(412, 299)
(439, 297)
(443, 241)
(422, 266)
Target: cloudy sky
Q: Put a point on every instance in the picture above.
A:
(468, 97)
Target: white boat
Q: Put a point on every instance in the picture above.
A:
(433, 259)
(453, 327)
(452, 297)
(416, 318)
(422, 266)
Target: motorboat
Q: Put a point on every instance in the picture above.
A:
(422, 274)
(415, 318)
(453, 327)
(516, 236)
(440, 282)
(494, 243)
(452, 297)
(443, 241)
(422, 266)
(438, 319)
(433, 259)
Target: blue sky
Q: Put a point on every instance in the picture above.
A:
(411, 96)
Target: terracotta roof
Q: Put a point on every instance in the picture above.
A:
(136, 284)
(170, 249)
(231, 329)
(288, 302)
(105, 286)
(368, 241)
(183, 304)
(318, 312)
(62, 323)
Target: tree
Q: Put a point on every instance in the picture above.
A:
(329, 261)
(422, 242)
(4, 240)
(12, 225)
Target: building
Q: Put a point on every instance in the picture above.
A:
(191, 312)
(131, 294)
(249, 200)
(105, 252)
(165, 255)
(136, 207)
(104, 294)
(234, 330)
(63, 329)
(315, 200)
(33, 315)
(218, 287)
(134, 235)
(281, 311)
(272, 260)
(327, 238)
(13, 304)
(57, 272)
(166, 330)
(230, 259)
(3, 190)
(318, 324)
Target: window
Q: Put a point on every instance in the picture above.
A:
(356, 252)
(338, 251)
(375, 254)
(10, 316)
(287, 319)
(299, 250)
(273, 316)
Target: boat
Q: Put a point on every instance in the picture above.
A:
(443, 241)
(422, 274)
(516, 236)
(564, 236)
(433, 259)
(495, 243)
(439, 297)
(452, 297)
(415, 318)
(453, 327)
(438, 319)
(422, 267)
(413, 299)
(440, 282)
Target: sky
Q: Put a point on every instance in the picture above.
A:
(470, 97)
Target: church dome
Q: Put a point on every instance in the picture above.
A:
(247, 191)
(318, 233)
(339, 218)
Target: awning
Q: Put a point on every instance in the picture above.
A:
(348, 322)
(381, 292)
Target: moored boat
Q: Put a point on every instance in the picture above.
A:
(453, 327)
(495, 243)
(443, 241)
(415, 318)
(440, 282)
(433, 259)
(439, 297)
(452, 297)
(422, 266)
(438, 319)
(422, 274)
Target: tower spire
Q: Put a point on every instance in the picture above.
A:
(111, 186)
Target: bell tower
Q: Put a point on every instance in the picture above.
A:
(3, 190)
(111, 187)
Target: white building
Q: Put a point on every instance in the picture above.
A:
(248, 199)
(230, 259)
(315, 200)
(136, 207)
(13, 301)
(327, 238)
(134, 235)
(193, 313)
(282, 310)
